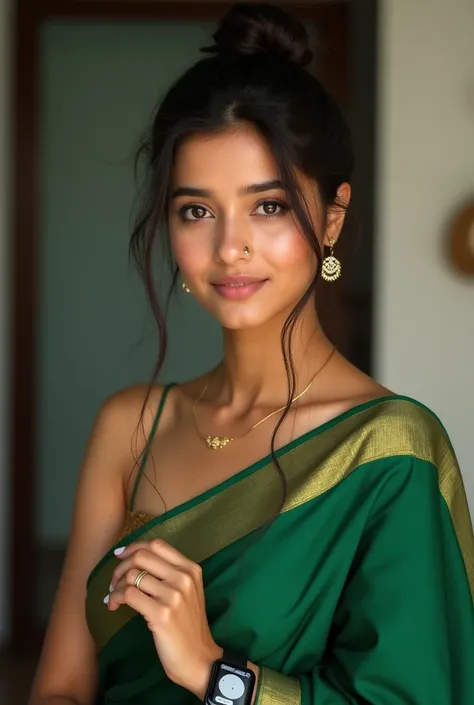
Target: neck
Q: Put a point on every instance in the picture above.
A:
(253, 370)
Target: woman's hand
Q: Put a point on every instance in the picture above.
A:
(171, 599)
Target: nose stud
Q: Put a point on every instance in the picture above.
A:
(246, 251)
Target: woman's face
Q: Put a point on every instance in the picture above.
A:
(225, 198)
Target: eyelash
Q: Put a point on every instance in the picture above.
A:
(268, 201)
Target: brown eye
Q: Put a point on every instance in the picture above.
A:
(271, 209)
(194, 212)
(198, 212)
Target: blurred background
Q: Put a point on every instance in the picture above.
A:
(78, 83)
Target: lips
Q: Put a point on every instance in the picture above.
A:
(239, 287)
(238, 280)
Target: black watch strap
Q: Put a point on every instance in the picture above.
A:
(234, 658)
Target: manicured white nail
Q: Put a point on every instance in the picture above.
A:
(111, 588)
(119, 551)
(106, 599)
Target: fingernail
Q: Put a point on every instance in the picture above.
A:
(111, 588)
(119, 551)
(106, 599)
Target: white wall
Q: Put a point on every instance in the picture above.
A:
(425, 311)
(4, 298)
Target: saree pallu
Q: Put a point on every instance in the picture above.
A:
(359, 592)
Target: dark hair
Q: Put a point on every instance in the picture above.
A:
(255, 75)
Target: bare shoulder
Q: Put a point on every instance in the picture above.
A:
(403, 418)
(349, 387)
(371, 392)
(127, 405)
(122, 412)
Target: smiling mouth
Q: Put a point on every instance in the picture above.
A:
(237, 284)
(239, 289)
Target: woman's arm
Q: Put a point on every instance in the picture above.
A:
(404, 629)
(67, 672)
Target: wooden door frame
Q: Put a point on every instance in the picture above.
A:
(25, 251)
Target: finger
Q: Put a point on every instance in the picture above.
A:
(172, 555)
(142, 559)
(156, 589)
(160, 548)
(163, 550)
(186, 576)
(139, 601)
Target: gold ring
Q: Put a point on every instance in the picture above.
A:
(139, 578)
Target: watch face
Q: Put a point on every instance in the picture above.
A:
(231, 686)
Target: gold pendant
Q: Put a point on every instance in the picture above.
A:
(217, 442)
(331, 269)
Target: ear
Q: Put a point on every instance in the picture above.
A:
(337, 214)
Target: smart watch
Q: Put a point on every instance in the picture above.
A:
(231, 682)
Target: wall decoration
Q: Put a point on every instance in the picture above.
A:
(461, 240)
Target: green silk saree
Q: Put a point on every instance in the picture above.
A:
(358, 593)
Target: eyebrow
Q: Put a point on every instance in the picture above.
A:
(206, 193)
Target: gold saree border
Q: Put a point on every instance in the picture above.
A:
(452, 488)
(277, 689)
(391, 428)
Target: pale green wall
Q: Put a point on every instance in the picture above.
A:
(99, 83)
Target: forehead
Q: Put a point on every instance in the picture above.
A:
(237, 156)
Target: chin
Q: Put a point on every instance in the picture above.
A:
(243, 319)
(240, 322)
(244, 315)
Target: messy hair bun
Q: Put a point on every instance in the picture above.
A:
(259, 28)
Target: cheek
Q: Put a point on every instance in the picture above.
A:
(290, 252)
(190, 250)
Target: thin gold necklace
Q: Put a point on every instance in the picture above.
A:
(219, 442)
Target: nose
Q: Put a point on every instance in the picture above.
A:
(233, 240)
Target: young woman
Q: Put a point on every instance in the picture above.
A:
(290, 521)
